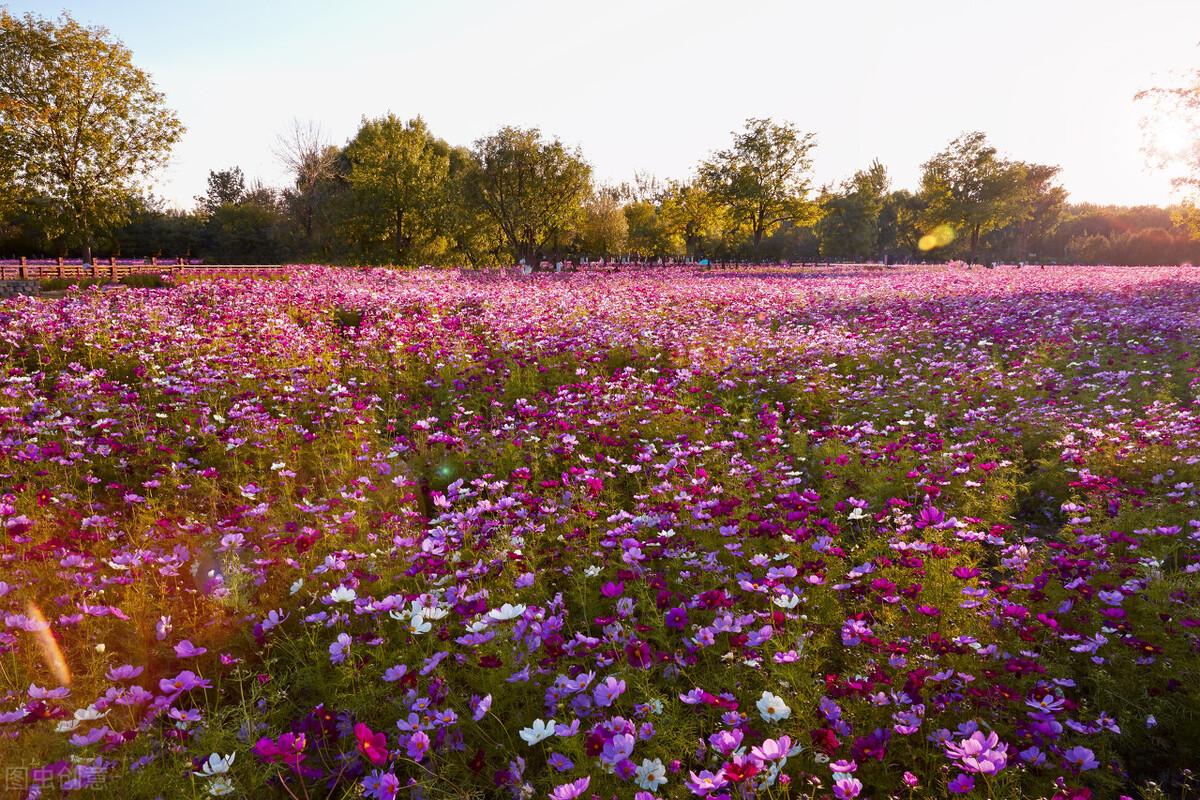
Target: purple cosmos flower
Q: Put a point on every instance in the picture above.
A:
(676, 618)
(617, 749)
(395, 673)
(186, 649)
(608, 691)
(480, 706)
(704, 782)
(725, 742)
(185, 681)
(560, 762)
(381, 785)
(1080, 759)
(961, 784)
(124, 672)
(338, 648)
(417, 746)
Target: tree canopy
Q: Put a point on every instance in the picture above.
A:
(763, 178)
(79, 122)
(531, 187)
(398, 173)
(82, 127)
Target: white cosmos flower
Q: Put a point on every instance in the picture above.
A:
(789, 601)
(538, 731)
(220, 786)
(772, 707)
(216, 764)
(507, 612)
(88, 714)
(343, 594)
(435, 612)
(651, 774)
(418, 625)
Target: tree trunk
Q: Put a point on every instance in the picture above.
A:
(86, 255)
(399, 236)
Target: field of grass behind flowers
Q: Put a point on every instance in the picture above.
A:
(911, 533)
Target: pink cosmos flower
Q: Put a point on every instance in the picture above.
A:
(847, 788)
(572, 790)
(980, 753)
(772, 749)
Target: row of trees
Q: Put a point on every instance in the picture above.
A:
(81, 128)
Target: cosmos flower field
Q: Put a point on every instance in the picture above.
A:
(911, 533)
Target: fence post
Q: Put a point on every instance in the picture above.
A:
(95, 269)
(154, 261)
(112, 268)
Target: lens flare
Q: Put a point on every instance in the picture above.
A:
(940, 236)
(51, 653)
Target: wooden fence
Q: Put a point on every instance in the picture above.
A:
(113, 269)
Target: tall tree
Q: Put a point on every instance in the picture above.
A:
(692, 214)
(225, 187)
(850, 224)
(311, 159)
(763, 178)
(1039, 205)
(398, 174)
(79, 123)
(648, 231)
(901, 222)
(531, 187)
(472, 235)
(603, 229)
(970, 187)
(1172, 131)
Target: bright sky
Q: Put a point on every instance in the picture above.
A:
(655, 85)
